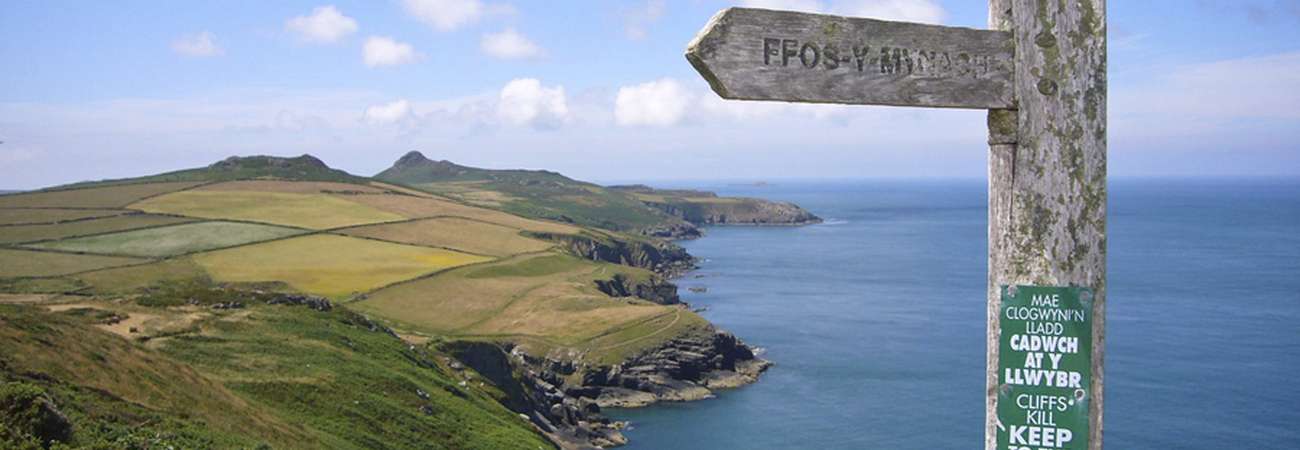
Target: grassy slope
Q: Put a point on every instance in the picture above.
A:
(284, 375)
(529, 193)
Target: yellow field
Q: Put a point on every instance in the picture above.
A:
(315, 211)
(418, 208)
(23, 263)
(550, 297)
(454, 233)
(105, 197)
(329, 265)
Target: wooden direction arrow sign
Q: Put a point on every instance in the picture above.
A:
(759, 54)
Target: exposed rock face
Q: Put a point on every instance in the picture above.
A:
(543, 390)
(664, 258)
(533, 389)
(673, 231)
(655, 289)
(246, 162)
(686, 368)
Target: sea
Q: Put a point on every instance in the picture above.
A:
(875, 318)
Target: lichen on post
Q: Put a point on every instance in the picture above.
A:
(1047, 178)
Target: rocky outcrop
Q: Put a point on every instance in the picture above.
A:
(664, 258)
(685, 368)
(655, 289)
(564, 397)
(534, 389)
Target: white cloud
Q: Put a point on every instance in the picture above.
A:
(510, 44)
(924, 11)
(525, 101)
(325, 24)
(384, 51)
(199, 45)
(1208, 99)
(445, 15)
(640, 19)
(657, 103)
(391, 112)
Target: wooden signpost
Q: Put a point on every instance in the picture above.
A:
(1041, 73)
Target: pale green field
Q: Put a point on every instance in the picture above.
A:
(171, 240)
(314, 211)
(328, 265)
(27, 263)
(454, 233)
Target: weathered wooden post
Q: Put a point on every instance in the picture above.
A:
(1047, 206)
(1041, 73)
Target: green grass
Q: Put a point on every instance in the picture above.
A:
(27, 263)
(315, 211)
(116, 393)
(123, 280)
(356, 387)
(30, 233)
(171, 240)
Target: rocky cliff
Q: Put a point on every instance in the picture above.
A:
(564, 398)
(664, 258)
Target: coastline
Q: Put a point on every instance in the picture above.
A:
(564, 399)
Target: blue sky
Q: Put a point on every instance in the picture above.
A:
(595, 89)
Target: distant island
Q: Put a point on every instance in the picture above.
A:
(278, 302)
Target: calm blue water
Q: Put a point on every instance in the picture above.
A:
(876, 319)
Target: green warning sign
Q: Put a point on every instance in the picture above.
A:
(1044, 368)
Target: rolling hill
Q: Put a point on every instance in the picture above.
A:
(549, 195)
(305, 307)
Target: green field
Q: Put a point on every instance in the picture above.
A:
(100, 197)
(37, 216)
(27, 263)
(454, 233)
(30, 233)
(314, 211)
(171, 240)
(328, 265)
(123, 280)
